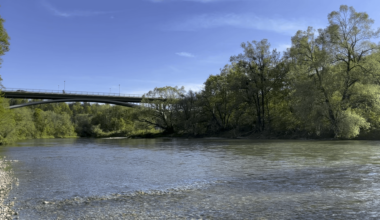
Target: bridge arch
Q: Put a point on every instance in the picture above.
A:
(74, 100)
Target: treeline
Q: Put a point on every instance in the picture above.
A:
(58, 120)
(327, 84)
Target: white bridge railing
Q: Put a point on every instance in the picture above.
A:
(42, 91)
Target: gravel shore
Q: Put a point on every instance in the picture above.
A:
(6, 180)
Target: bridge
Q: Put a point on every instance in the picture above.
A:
(56, 96)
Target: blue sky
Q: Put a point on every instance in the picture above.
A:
(95, 45)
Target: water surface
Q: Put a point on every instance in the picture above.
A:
(196, 178)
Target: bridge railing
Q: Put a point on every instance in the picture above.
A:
(42, 91)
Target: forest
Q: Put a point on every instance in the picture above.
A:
(326, 85)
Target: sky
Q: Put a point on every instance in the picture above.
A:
(97, 45)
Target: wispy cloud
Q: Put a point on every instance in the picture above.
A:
(185, 54)
(248, 21)
(60, 13)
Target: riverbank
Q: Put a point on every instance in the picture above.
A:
(6, 180)
(238, 135)
(266, 135)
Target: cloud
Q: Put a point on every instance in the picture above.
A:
(248, 21)
(59, 13)
(185, 54)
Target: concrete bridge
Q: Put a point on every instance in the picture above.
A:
(55, 96)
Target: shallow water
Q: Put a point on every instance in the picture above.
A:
(196, 178)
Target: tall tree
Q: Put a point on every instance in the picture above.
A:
(349, 35)
(4, 41)
(6, 121)
(190, 117)
(259, 79)
(329, 70)
(161, 112)
(217, 99)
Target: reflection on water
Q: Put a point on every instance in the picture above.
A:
(200, 178)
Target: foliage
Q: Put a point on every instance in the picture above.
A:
(6, 132)
(328, 70)
(4, 41)
(161, 111)
(7, 123)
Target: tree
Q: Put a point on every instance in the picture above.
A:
(24, 123)
(217, 100)
(77, 108)
(259, 78)
(189, 117)
(161, 112)
(311, 80)
(221, 99)
(328, 70)
(6, 121)
(4, 41)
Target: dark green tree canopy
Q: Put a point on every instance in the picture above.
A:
(4, 39)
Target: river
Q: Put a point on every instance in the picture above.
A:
(195, 179)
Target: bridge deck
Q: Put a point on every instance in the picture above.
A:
(57, 94)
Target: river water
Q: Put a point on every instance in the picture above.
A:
(195, 178)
